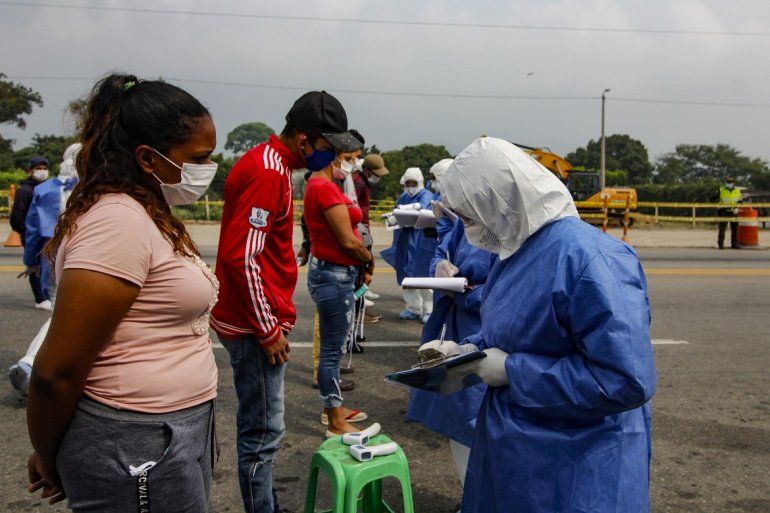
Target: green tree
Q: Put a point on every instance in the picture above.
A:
(49, 146)
(623, 152)
(691, 163)
(77, 110)
(217, 188)
(16, 102)
(397, 161)
(246, 136)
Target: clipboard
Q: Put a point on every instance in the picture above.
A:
(432, 377)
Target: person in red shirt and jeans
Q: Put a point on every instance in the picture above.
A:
(338, 255)
(257, 272)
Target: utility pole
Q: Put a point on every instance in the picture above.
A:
(602, 170)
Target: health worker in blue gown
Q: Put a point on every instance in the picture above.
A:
(47, 204)
(454, 415)
(565, 324)
(412, 249)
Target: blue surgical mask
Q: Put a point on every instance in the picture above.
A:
(319, 159)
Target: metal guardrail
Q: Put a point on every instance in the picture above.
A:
(601, 208)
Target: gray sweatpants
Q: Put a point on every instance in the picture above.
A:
(120, 461)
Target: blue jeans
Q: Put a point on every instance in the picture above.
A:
(259, 387)
(331, 287)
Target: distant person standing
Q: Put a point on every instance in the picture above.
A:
(412, 249)
(38, 173)
(729, 195)
(370, 171)
(47, 204)
(257, 270)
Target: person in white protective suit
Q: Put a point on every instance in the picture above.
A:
(48, 202)
(565, 422)
(412, 249)
(444, 224)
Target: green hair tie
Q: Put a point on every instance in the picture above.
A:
(128, 85)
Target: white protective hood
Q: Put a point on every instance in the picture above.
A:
(67, 167)
(414, 173)
(500, 186)
(439, 168)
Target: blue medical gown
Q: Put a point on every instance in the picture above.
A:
(42, 217)
(571, 432)
(444, 225)
(412, 250)
(454, 415)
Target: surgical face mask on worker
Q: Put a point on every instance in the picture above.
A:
(342, 171)
(482, 237)
(373, 179)
(196, 179)
(411, 190)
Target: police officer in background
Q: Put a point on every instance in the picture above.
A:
(729, 195)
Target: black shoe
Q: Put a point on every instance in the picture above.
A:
(721, 246)
(735, 247)
(346, 370)
(354, 348)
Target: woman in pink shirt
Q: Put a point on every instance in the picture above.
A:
(120, 409)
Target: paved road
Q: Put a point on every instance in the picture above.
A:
(711, 412)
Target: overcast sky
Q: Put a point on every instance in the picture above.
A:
(44, 41)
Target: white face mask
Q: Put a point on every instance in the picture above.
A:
(411, 190)
(342, 172)
(374, 179)
(196, 179)
(482, 237)
(40, 175)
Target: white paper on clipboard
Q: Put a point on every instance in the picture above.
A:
(425, 219)
(449, 284)
(406, 218)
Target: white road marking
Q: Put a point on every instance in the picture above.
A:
(667, 342)
(655, 341)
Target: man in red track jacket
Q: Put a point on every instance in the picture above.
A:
(257, 272)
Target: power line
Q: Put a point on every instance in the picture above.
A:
(419, 94)
(388, 22)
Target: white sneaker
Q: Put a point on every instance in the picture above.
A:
(368, 303)
(44, 305)
(19, 376)
(371, 295)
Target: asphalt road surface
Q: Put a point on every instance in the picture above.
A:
(711, 424)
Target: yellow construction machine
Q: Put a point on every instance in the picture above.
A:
(584, 186)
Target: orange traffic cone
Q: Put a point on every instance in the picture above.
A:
(13, 240)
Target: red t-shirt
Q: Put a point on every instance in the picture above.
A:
(320, 195)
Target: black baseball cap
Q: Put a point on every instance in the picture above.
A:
(318, 112)
(38, 161)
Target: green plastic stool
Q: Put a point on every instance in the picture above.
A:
(350, 477)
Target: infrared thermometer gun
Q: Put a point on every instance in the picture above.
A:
(362, 453)
(362, 437)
